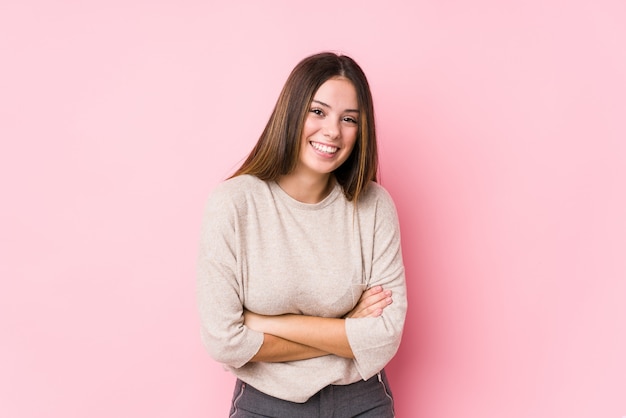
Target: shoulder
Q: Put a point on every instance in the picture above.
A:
(236, 193)
(376, 195)
(236, 188)
(377, 205)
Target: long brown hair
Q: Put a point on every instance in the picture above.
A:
(277, 151)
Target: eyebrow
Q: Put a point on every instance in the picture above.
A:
(328, 106)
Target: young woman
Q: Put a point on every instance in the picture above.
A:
(300, 255)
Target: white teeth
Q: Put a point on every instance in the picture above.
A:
(324, 148)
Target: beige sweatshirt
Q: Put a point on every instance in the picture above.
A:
(265, 251)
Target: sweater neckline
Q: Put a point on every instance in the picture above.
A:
(285, 197)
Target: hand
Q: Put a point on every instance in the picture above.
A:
(371, 303)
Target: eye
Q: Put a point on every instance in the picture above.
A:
(350, 119)
(317, 111)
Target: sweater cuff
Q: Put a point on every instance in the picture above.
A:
(370, 355)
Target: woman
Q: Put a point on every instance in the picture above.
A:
(300, 255)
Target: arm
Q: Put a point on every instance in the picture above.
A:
(219, 290)
(375, 341)
(297, 337)
(278, 350)
(325, 334)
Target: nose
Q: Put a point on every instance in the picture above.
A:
(331, 128)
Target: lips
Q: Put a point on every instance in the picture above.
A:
(327, 149)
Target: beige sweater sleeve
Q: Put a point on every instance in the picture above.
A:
(218, 289)
(374, 341)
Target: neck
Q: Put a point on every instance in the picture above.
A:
(307, 189)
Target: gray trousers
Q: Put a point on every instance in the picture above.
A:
(370, 398)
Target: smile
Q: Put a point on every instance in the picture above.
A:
(324, 148)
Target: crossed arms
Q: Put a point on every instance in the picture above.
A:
(297, 337)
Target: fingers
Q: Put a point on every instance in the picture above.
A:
(374, 296)
(372, 303)
(377, 303)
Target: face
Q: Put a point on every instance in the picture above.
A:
(330, 129)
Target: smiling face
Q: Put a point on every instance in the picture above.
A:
(330, 129)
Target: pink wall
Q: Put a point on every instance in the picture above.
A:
(503, 142)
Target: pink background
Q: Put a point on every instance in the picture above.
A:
(503, 142)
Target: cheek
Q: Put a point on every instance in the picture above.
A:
(351, 140)
(309, 128)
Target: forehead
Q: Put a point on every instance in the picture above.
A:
(339, 90)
